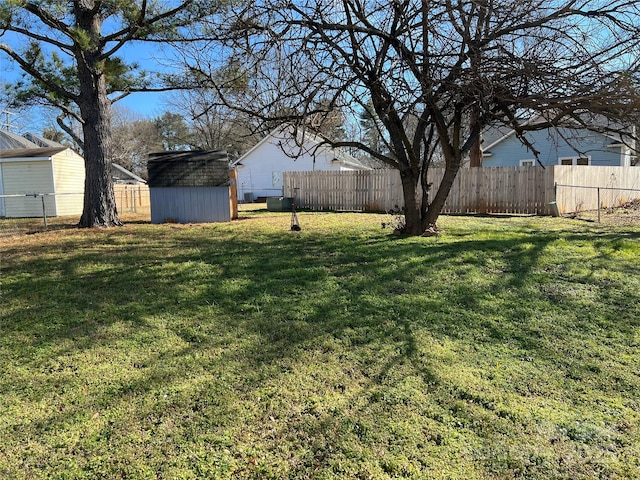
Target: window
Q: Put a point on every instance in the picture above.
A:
(574, 161)
(276, 179)
(527, 163)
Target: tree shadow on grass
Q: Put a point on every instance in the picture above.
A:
(202, 326)
(357, 276)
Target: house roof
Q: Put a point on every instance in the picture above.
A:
(41, 141)
(282, 132)
(10, 140)
(37, 152)
(495, 134)
(127, 173)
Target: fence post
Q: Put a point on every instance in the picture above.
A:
(598, 204)
(44, 212)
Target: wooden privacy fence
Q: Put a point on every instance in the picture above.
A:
(132, 198)
(366, 190)
(517, 190)
(581, 189)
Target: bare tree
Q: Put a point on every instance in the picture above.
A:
(214, 124)
(217, 127)
(134, 137)
(435, 73)
(68, 52)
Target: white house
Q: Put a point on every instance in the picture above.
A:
(260, 169)
(27, 173)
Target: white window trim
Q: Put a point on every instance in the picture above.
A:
(533, 162)
(574, 160)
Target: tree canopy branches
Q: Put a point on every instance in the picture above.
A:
(431, 74)
(70, 56)
(435, 72)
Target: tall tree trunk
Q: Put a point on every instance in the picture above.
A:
(95, 108)
(99, 199)
(475, 154)
(419, 215)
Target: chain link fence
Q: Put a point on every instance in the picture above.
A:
(611, 205)
(19, 218)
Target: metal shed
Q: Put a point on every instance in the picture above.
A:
(191, 187)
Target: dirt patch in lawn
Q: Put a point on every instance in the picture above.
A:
(626, 214)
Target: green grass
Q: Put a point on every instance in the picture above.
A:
(503, 348)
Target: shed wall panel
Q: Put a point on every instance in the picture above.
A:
(69, 173)
(190, 204)
(20, 178)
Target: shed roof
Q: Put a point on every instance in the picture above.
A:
(37, 152)
(198, 168)
(188, 155)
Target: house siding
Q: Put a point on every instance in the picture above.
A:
(553, 145)
(24, 177)
(260, 173)
(68, 175)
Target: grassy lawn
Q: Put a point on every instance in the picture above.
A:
(503, 348)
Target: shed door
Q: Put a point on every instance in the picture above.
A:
(2, 210)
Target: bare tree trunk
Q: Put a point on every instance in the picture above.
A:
(475, 154)
(412, 204)
(99, 198)
(421, 215)
(95, 108)
(436, 206)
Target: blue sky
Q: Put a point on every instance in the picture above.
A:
(151, 58)
(150, 105)
(146, 104)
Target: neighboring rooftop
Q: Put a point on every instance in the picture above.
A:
(10, 140)
(41, 141)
